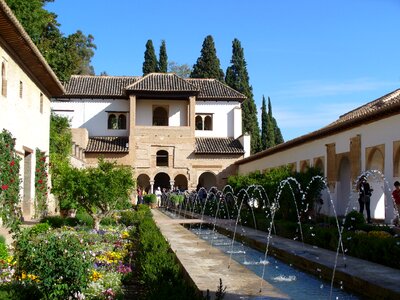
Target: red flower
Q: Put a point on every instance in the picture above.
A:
(40, 181)
(12, 163)
(4, 187)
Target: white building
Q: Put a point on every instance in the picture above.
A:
(27, 84)
(362, 140)
(175, 132)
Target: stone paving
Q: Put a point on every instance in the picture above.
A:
(205, 265)
(371, 280)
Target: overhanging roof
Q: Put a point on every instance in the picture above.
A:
(21, 45)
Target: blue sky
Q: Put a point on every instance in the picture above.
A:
(315, 59)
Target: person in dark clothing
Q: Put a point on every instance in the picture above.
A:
(364, 199)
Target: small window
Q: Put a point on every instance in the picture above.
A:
(3, 80)
(199, 123)
(116, 121)
(204, 122)
(162, 158)
(21, 89)
(41, 103)
(160, 116)
(208, 123)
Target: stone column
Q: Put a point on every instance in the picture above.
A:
(331, 171)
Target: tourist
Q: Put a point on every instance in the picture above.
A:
(140, 195)
(158, 195)
(396, 198)
(364, 199)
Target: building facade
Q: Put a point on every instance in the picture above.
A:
(365, 140)
(27, 84)
(174, 132)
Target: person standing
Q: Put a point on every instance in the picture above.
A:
(364, 199)
(158, 195)
(396, 198)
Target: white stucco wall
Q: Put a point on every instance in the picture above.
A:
(177, 111)
(26, 121)
(92, 114)
(225, 122)
(382, 132)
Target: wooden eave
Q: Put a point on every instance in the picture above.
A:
(26, 51)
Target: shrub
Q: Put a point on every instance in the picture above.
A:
(127, 218)
(354, 220)
(3, 248)
(57, 259)
(53, 221)
(108, 221)
(84, 218)
(150, 198)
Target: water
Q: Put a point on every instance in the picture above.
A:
(293, 282)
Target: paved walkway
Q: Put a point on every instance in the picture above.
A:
(372, 280)
(205, 265)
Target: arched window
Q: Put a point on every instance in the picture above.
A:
(162, 158)
(112, 122)
(121, 121)
(3, 80)
(160, 116)
(208, 123)
(199, 123)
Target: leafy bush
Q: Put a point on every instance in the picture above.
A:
(354, 220)
(57, 261)
(84, 218)
(150, 198)
(127, 217)
(3, 248)
(158, 270)
(108, 221)
(53, 221)
(177, 199)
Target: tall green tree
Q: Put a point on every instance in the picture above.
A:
(163, 58)
(267, 128)
(208, 64)
(66, 55)
(264, 124)
(278, 138)
(237, 78)
(150, 64)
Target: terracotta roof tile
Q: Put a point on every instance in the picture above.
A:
(108, 144)
(383, 107)
(381, 103)
(162, 82)
(102, 86)
(117, 86)
(214, 89)
(218, 146)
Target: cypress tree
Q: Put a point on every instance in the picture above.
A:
(150, 63)
(163, 58)
(208, 64)
(278, 138)
(264, 125)
(238, 79)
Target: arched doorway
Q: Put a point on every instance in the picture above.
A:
(181, 182)
(143, 181)
(344, 186)
(319, 165)
(207, 180)
(376, 161)
(162, 180)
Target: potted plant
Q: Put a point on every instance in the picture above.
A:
(150, 199)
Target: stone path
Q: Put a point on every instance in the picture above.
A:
(372, 280)
(205, 265)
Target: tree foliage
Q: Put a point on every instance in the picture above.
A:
(277, 137)
(163, 58)
(99, 190)
(238, 79)
(66, 55)
(208, 64)
(180, 70)
(150, 64)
